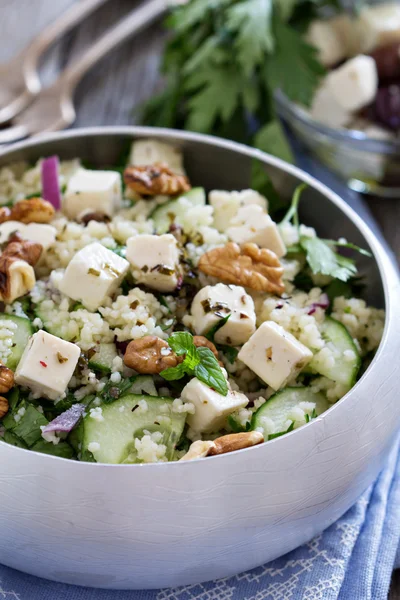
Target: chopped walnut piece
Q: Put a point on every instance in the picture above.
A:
(200, 340)
(152, 180)
(6, 379)
(235, 441)
(3, 407)
(34, 210)
(149, 355)
(246, 265)
(17, 276)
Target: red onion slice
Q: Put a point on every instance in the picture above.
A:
(322, 303)
(50, 184)
(65, 422)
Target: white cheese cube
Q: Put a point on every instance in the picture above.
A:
(47, 365)
(275, 355)
(93, 274)
(326, 109)
(379, 25)
(227, 204)
(35, 232)
(214, 302)
(154, 260)
(150, 152)
(211, 408)
(252, 224)
(98, 190)
(324, 36)
(354, 84)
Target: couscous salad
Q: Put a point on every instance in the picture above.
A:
(144, 320)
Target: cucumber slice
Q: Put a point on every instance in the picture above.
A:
(170, 212)
(103, 358)
(112, 439)
(345, 368)
(144, 384)
(281, 404)
(20, 336)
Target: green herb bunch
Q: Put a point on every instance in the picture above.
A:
(224, 61)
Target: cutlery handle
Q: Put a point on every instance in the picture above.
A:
(137, 20)
(68, 19)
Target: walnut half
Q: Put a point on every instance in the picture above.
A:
(246, 265)
(152, 180)
(34, 210)
(17, 276)
(149, 355)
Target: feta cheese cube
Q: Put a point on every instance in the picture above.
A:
(227, 204)
(252, 224)
(354, 84)
(211, 408)
(154, 260)
(275, 355)
(150, 152)
(98, 190)
(327, 110)
(324, 36)
(93, 274)
(379, 26)
(47, 364)
(214, 302)
(35, 232)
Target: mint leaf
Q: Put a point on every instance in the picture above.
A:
(211, 334)
(322, 259)
(209, 371)
(113, 391)
(251, 24)
(181, 342)
(173, 373)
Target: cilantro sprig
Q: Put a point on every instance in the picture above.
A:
(226, 58)
(198, 362)
(321, 254)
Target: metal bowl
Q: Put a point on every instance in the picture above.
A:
(367, 165)
(160, 525)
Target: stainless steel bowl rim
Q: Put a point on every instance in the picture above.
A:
(388, 270)
(288, 109)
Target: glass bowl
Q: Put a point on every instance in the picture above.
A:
(369, 166)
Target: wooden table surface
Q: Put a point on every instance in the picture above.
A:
(121, 81)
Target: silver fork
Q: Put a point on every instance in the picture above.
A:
(53, 108)
(19, 77)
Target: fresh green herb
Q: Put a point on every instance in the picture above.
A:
(120, 251)
(211, 334)
(10, 438)
(113, 391)
(168, 324)
(229, 351)
(62, 449)
(303, 281)
(77, 306)
(198, 362)
(224, 61)
(293, 212)
(313, 415)
(272, 436)
(27, 425)
(163, 301)
(237, 427)
(35, 195)
(350, 246)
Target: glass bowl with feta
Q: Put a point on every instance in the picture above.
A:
(163, 521)
(145, 319)
(353, 122)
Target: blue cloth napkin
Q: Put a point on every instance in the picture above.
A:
(352, 560)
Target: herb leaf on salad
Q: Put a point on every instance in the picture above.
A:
(198, 362)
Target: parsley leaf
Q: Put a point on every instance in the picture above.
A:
(271, 139)
(272, 436)
(292, 213)
(322, 259)
(294, 67)
(251, 23)
(209, 371)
